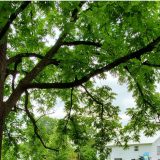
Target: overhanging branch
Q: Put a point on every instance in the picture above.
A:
(92, 97)
(93, 73)
(18, 58)
(14, 97)
(70, 110)
(141, 93)
(34, 124)
(15, 72)
(56, 85)
(74, 14)
(88, 43)
(145, 101)
(12, 18)
(151, 65)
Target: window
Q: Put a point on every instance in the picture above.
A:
(136, 148)
(158, 150)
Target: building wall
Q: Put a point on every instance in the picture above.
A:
(129, 154)
(154, 150)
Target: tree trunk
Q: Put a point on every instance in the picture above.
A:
(2, 120)
(1, 137)
(3, 68)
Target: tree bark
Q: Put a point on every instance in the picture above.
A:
(3, 66)
(1, 137)
(2, 120)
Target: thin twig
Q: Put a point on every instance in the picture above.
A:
(92, 97)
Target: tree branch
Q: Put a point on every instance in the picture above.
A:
(12, 100)
(70, 109)
(151, 65)
(142, 95)
(74, 13)
(92, 97)
(145, 101)
(34, 123)
(12, 18)
(45, 114)
(13, 80)
(14, 72)
(14, 75)
(19, 57)
(93, 73)
(88, 43)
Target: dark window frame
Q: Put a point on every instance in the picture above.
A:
(136, 148)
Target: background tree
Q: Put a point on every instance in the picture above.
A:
(90, 38)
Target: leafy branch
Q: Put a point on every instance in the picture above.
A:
(95, 72)
(34, 123)
(88, 43)
(142, 95)
(70, 110)
(151, 65)
(139, 88)
(18, 58)
(91, 96)
(12, 17)
(12, 100)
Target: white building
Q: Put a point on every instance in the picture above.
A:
(146, 147)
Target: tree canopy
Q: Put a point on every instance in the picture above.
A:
(87, 40)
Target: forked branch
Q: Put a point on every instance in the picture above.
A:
(14, 97)
(34, 123)
(95, 72)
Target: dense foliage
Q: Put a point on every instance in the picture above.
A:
(86, 40)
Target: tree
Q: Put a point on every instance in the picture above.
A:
(94, 38)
